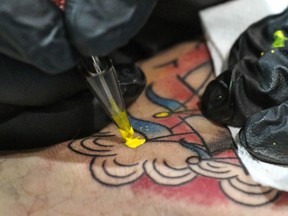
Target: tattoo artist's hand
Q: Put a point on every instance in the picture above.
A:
(253, 92)
(43, 99)
(36, 32)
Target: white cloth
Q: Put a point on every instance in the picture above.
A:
(222, 25)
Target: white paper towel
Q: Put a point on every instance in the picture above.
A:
(222, 25)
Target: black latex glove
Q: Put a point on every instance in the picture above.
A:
(253, 92)
(37, 32)
(41, 110)
(38, 109)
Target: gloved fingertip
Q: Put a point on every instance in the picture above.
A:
(265, 135)
(217, 101)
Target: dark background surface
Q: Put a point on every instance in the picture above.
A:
(171, 22)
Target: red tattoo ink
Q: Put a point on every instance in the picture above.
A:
(202, 191)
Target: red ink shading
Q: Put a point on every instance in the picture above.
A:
(180, 130)
(281, 201)
(228, 156)
(202, 191)
(183, 127)
(168, 86)
(172, 120)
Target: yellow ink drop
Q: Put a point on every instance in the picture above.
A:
(162, 115)
(130, 141)
(126, 131)
(262, 53)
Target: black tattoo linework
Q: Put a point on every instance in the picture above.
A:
(228, 171)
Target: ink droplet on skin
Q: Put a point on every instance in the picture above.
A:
(279, 39)
(130, 141)
(121, 120)
(134, 142)
(162, 115)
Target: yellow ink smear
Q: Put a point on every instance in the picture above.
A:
(127, 134)
(121, 119)
(130, 141)
(162, 115)
(126, 131)
(135, 142)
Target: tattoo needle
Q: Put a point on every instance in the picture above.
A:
(102, 80)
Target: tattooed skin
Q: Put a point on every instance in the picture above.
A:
(182, 146)
(187, 167)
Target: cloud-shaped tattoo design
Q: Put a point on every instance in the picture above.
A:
(181, 144)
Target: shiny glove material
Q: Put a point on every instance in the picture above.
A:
(265, 134)
(253, 89)
(38, 33)
(24, 85)
(43, 98)
(44, 115)
(97, 27)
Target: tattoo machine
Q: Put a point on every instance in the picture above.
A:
(102, 79)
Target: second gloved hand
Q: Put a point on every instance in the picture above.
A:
(253, 92)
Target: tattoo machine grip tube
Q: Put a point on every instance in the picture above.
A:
(102, 79)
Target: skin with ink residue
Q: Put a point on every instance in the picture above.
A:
(185, 155)
(187, 166)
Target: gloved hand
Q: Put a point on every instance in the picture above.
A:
(43, 99)
(253, 92)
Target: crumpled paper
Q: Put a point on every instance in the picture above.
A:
(222, 25)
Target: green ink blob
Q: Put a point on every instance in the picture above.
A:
(279, 39)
